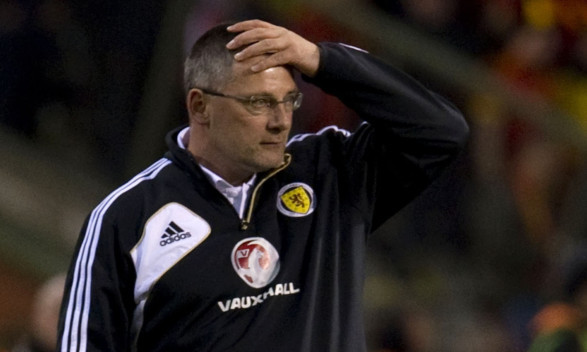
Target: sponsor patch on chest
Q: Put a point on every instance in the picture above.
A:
(256, 261)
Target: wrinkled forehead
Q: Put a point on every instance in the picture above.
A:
(242, 69)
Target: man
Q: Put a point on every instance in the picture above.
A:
(237, 241)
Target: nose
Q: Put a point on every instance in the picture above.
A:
(280, 118)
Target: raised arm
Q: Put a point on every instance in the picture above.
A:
(411, 134)
(405, 116)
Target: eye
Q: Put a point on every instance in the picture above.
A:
(260, 102)
(294, 100)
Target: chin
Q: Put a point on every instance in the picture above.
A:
(270, 163)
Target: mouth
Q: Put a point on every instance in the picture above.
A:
(273, 144)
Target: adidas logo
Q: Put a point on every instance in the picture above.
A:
(173, 233)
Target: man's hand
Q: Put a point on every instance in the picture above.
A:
(282, 46)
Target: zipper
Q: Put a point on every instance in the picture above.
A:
(247, 220)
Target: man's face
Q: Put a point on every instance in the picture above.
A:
(239, 141)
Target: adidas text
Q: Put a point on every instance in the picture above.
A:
(175, 238)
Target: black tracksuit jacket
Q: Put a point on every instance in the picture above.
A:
(165, 263)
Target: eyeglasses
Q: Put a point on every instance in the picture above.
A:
(261, 104)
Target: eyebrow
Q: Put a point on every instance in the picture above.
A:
(266, 94)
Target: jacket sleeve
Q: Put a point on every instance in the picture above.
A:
(411, 133)
(98, 303)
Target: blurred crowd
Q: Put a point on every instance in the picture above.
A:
(72, 74)
(41, 335)
(491, 258)
(523, 207)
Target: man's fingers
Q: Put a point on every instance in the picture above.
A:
(277, 59)
(248, 25)
(255, 35)
(283, 47)
(251, 31)
(266, 46)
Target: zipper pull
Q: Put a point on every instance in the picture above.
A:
(246, 221)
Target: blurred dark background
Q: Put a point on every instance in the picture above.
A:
(89, 88)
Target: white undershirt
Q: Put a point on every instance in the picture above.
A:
(236, 195)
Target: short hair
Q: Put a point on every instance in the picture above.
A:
(209, 64)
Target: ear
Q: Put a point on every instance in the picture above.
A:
(196, 106)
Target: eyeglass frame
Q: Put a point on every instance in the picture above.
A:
(247, 102)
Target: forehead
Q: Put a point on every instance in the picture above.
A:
(273, 77)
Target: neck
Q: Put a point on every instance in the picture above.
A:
(196, 146)
(233, 179)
